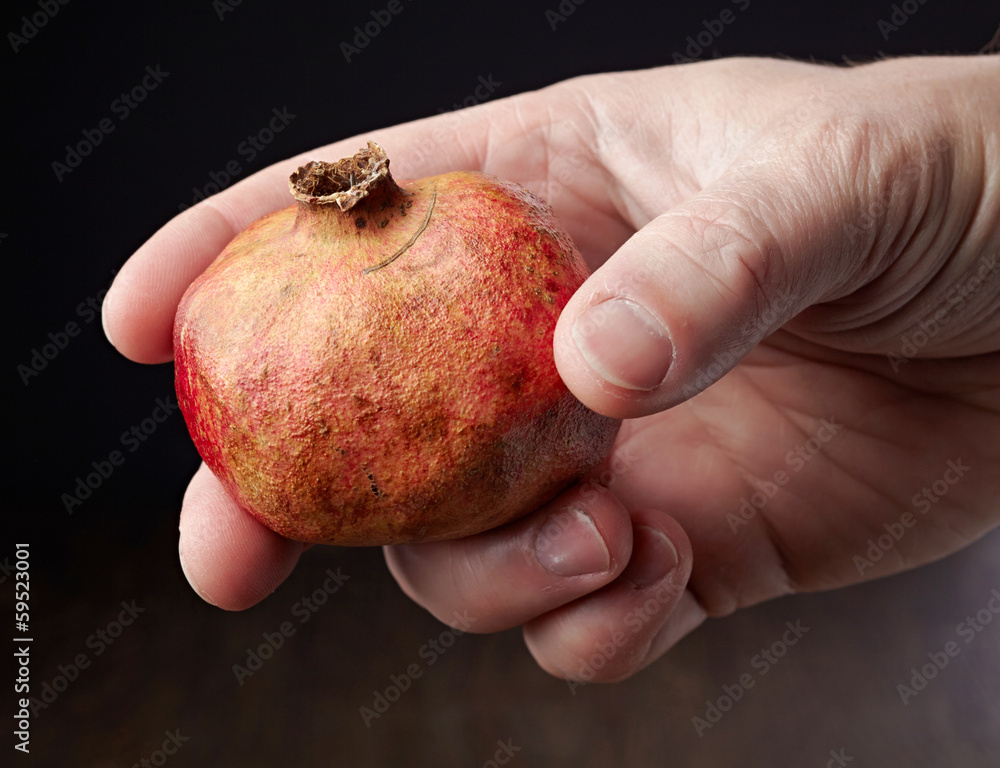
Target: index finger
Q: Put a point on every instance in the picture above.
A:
(510, 138)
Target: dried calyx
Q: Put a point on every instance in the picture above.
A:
(345, 182)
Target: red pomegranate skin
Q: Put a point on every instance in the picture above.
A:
(412, 402)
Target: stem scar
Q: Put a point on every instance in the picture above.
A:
(418, 233)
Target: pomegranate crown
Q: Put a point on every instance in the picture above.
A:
(344, 182)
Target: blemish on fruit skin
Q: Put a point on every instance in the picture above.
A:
(373, 486)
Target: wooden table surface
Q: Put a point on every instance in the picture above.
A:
(832, 695)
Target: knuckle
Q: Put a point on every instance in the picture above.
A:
(731, 235)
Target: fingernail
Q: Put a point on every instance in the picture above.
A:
(569, 544)
(624, 344)
(104, 321)
(203, 595)
(653, 557)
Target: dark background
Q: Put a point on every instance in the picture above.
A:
(172, 669)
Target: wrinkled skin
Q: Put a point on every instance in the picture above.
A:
(789, 224)
(345, 403)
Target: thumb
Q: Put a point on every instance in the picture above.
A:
(698, 287)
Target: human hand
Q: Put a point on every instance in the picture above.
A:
(819, 244)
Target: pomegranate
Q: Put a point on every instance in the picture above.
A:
(373, 364)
